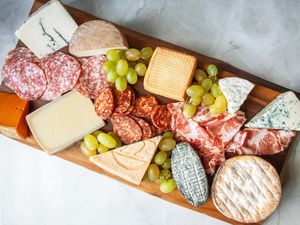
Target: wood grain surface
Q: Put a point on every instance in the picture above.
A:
(261, 95)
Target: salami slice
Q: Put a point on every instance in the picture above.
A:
(28, 80)
(146, 129)
(104, 103)
(21, 53)
(127, 129)
(161, 117)
(144, 105)
(93, 77)
(122, 101)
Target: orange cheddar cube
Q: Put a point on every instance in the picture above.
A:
(12, 116)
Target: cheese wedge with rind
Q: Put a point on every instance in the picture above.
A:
(96, 37)
(130, 162)
(282, 113)
(235, 91)
(64, 121)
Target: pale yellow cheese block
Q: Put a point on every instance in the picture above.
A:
(170, 73)
(129, 162)
(96, 37)
(63, 121)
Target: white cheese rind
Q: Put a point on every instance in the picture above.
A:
(282, 113)
(63, 121)
(47, 30)
(235, 91)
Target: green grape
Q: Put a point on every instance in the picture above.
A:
(153, 172)
(212, 70)
(109, 66)
(122, 54)
(141, 69)
(167, 164)
(131, 76)
(112, 76)
(168, 186)
(119, 142)
(214, 109)
(215, 90)
(121, 84)
(107, 140)
(163, 176)
(206, 84)
(200, 75)
(132, 64)
(122, 67)
(195, 91)
(166, 144)
(221, 102)
(86, 151)
(146, 52)
(90, 141)
(113, 55)
(102, 149)
(133, 54)
(168, 134)
(208, 99)
(195, 101)
(189, 110)
(160, 157)
(144, 61)
(95, 133)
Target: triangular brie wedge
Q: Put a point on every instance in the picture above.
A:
(282, 113)
(235, 91)
(129, 162)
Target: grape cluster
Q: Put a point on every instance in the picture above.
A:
(205, 91)
(160, 170)
(124, 66)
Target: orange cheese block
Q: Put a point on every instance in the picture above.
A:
(12, 115)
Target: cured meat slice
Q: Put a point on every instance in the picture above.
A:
(104, 103)
(146, 129)
(260, 141)
(127, 129)
(28, 80)
(161, 117)
(21, 53)
(93, 77)
(122, 101)
(62, 72)
(144, 106)
(131, 107)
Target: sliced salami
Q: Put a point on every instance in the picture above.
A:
(146, 129)
(127, 129)
(104, 103)
(28, 80)
(161, 117)
(93, 77)
(144, 106)
(122, 101)
(21, 53)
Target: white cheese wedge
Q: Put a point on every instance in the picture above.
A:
(235, 91)
(62, 122)
(129, 162)
(48, 29)
(96, 37)
(282, 113)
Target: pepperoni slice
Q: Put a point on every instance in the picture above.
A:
(144, 105)
(127, 129)
(104, 103)
(122, 101)
(146, 129)
(28, 80)
(161, 117)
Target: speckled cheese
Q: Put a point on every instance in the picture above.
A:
(235, 91)
(282, 113)
(189, 174)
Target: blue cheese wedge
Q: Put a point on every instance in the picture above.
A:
(235, 91)
(129, 162)
(282, 113)
(189, 174)
(48, 29)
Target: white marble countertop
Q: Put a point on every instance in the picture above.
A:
(261, 37)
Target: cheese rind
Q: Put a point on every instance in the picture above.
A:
(129, 162)
(47, 30)
(282, 113)
(235, 91)
(63, 121)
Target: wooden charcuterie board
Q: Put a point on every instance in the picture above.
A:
(262, 94)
